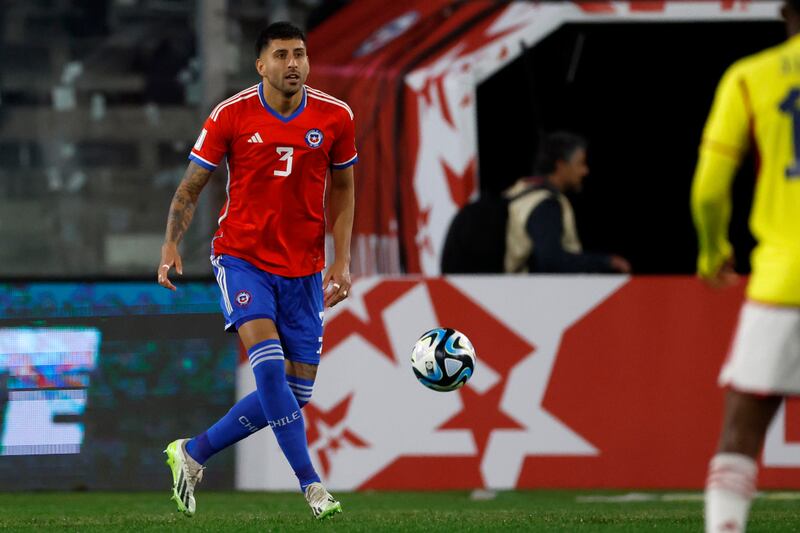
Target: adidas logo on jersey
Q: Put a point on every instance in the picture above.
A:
(255, 139)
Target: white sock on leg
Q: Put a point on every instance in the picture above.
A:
(730, 487)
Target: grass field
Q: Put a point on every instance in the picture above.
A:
(406, 511)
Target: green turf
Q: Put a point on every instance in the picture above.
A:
(409, 511)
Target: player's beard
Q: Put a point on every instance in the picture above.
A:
(291, 91)
(285, 89)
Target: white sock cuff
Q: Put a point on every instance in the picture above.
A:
(732, 472)
(738, 462)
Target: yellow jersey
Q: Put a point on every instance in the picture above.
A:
(757, 105)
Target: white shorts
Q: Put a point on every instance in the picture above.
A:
(765, 354)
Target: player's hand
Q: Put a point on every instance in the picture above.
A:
(336, 283)
(725, 277)
(620, 264)
(169, 258)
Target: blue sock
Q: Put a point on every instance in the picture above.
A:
(244, 418)
(281, 408)
(301, 388)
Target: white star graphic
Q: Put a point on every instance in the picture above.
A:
(398, 417)
(541, 310)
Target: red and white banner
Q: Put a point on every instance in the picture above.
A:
(581, 381)
(410, 71)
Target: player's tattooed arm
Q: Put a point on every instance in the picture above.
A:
(181, 211)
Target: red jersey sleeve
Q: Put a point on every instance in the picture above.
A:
(343, 151)
(212, 143)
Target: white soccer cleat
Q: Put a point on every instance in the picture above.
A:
(321, 502)
(186, 473)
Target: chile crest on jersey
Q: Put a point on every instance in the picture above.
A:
(314, 138)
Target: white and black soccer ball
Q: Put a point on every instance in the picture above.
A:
(443, 359)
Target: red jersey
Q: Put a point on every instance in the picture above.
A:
(274, 216)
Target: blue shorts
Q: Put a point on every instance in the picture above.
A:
(294, 304)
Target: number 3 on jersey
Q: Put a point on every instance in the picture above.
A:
(286, 153)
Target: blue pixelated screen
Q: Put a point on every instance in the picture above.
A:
(96, 379)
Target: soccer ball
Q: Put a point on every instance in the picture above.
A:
(443, 359)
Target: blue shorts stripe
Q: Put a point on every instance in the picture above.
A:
(225, 290)
(222, 285)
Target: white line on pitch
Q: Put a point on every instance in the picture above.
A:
(633, 497)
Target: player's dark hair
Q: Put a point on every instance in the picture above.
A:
(280, 31)
(794, 5)
(554, 147)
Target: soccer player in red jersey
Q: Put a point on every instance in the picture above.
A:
(280, 139)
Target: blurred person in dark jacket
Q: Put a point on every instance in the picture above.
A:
(541, 234)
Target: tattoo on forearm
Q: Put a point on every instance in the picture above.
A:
(181, 210)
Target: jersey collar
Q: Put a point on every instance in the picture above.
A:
(275, 113)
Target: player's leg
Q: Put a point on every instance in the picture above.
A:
(301, 377)
(242, 420)
(732, 472)
(247, 417)
(300, 328)
(280, 406)
(745, 422)
(762, 367)
(244, 295)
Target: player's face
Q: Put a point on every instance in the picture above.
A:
(284, 64)
(576, 169)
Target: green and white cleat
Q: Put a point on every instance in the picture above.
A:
(186, 473)
(322, 503)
